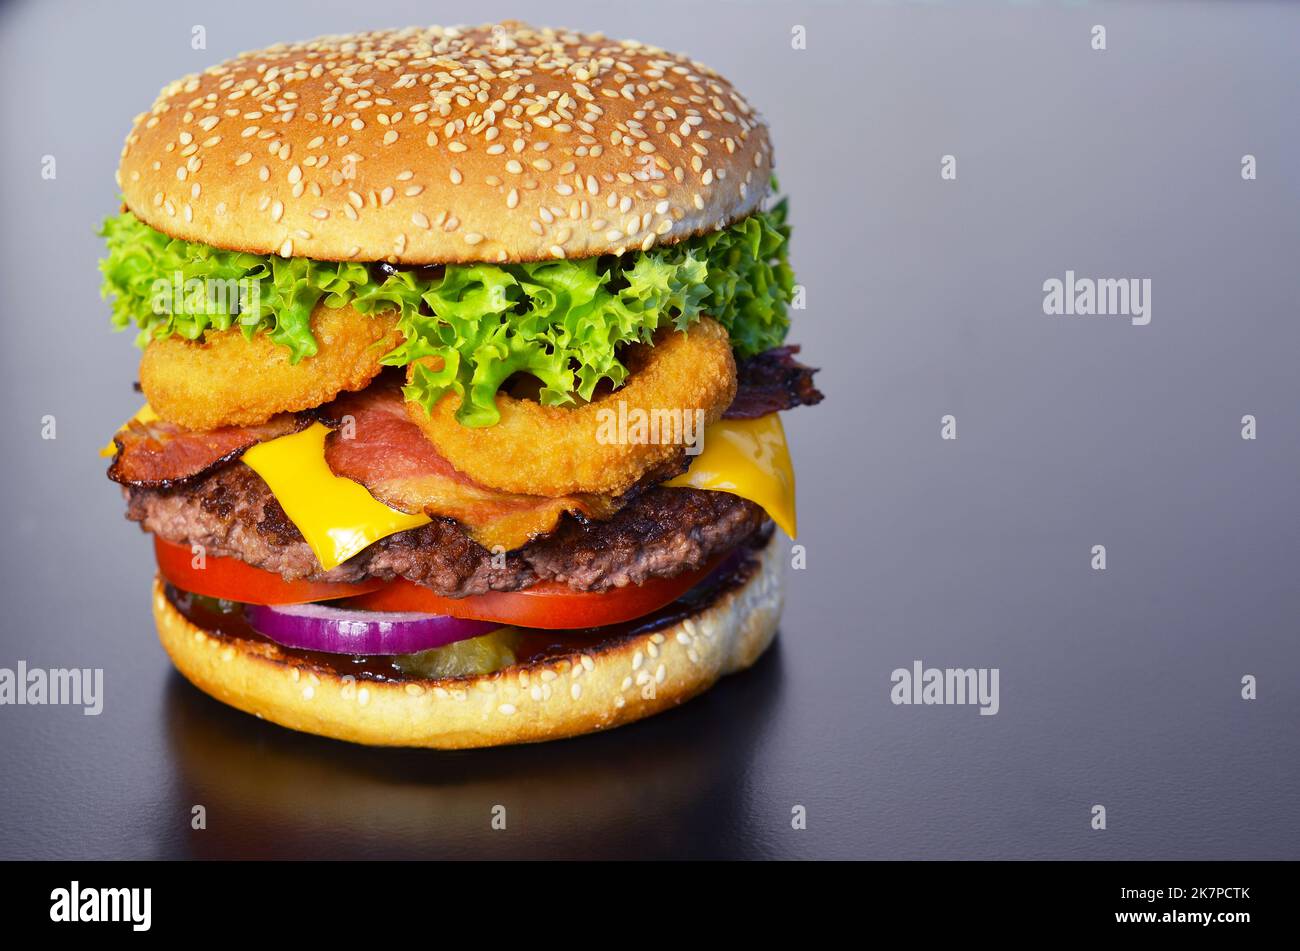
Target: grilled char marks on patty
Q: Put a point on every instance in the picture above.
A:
(660, 533)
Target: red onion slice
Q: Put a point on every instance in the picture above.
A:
(336, 630)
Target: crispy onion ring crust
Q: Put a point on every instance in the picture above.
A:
(555, 450)
(226, 380)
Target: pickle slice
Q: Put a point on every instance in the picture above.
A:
(473, 656)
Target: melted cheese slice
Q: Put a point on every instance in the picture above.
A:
(336, 516)
(749, 458)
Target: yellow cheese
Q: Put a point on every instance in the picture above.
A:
(144, 414)
(336, 516)
(749, 458)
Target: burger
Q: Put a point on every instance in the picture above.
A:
(463, 354)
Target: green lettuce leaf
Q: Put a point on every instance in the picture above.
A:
(562, 321)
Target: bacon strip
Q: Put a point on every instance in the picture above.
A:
(376, 444)
(770, 382)
(160, 455)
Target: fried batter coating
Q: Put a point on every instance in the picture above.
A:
(601, 446)
(226, 380)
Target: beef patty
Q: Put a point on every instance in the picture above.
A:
(661, 533)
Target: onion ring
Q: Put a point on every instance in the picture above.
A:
(225, 380)
(557, 450)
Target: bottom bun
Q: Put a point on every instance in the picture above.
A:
(615, 681)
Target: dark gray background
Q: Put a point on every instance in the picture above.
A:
(1118, 687)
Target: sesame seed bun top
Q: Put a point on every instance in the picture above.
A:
(491, 143)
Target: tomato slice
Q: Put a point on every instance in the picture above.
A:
(548, 605)
(235, 580)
